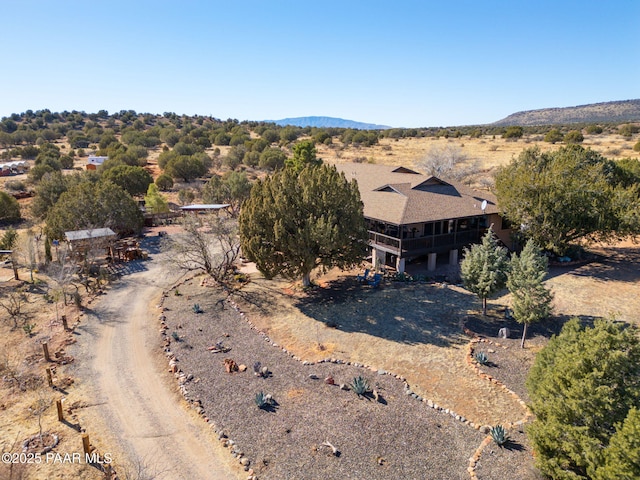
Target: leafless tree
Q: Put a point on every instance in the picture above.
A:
(208, 243)
(448, 162)
(13, 302)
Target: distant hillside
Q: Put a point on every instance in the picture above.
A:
(323, 122)
(620, 111)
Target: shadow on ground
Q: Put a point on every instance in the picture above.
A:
(414, 313)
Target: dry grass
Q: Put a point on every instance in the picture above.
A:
(490, 152)
(23, 385)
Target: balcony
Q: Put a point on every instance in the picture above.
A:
(409, 247)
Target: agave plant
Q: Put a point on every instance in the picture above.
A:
(360, 385)
(263, 401)
(499, 435)
(196, 308)
(481, 358)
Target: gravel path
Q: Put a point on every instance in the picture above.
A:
(133, 411)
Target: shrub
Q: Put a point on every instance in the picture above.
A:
(9, 208)
(574, 136)
(514, 132)
(164, 182)
(553, 136)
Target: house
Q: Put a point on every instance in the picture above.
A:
(13, 168)
(93, 162)
(410, 215)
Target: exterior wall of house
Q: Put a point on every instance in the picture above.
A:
(502, 229)
(393, 244)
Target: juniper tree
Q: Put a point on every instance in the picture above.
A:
(622, 456)
(294, 222)
(530, 299)
(583, 385)
(484, 268)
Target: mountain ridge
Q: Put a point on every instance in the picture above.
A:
(603, 112)
(324, 122)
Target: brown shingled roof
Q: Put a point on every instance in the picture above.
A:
(401, 196)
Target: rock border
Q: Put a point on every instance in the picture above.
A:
(237, 453)
(471, 361)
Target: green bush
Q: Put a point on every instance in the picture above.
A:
(583, 386)
(574, 136)
(9, 208)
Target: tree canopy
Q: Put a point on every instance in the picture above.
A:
(304, 153)
(133, 180)
(87, 205)
(9, 208)
(584, 386)
(293, 222)
(232, 188)
(484, 268)
(569, 194)
(154, 202)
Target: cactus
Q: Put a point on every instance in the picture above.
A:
(175, 336)
(360, 385)
(481, 358)
(196, 308)
(499, 435)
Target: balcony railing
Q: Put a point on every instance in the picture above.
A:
(424, 244)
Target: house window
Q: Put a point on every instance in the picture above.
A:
(438, 228)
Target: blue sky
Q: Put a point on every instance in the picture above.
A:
(402, 63)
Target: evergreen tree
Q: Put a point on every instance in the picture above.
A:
(293, 222)
(304, 154)
(154, 202)
(87, 205)
(569, 194)
(622, 456)
(133, 180)
(530, 299)
(484, 268)
(9, 209)
(582, 386)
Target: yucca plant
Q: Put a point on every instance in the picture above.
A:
(196, 308)
(481, 358)
(360, 385)
(499, 435)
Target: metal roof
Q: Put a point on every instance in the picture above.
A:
(210, 206)
(88, 234)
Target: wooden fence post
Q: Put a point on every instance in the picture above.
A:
(60, 413)
(49, 377)
(86, 445)
(45, 349)
(64, 323)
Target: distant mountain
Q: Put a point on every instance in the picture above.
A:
(620, 111)
(324, 122)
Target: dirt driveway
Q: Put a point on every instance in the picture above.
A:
(132, 408)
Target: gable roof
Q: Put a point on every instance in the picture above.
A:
(401, 196)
